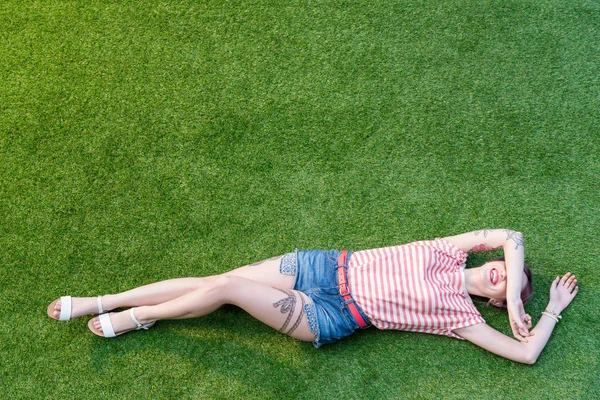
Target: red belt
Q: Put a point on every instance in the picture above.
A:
(343, 284)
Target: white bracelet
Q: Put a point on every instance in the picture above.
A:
(550, 315)
(554, 313)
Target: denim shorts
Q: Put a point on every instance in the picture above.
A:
(316, 276)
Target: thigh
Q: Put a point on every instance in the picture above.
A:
(265, 272)
(281, 309)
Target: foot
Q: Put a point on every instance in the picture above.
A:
(121, 322)
(79, 306)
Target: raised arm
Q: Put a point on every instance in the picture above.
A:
(514, 255)
(562, 292)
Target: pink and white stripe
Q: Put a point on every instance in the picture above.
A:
(418, 287)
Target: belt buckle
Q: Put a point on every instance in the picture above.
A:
(344, 289)
(342, 281)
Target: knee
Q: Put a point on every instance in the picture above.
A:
(194, 284)
(224, 288)
(224, 284)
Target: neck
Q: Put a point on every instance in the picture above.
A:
(471, 275)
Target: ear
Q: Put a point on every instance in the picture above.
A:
(496, 302)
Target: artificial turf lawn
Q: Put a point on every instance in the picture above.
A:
(143, 141)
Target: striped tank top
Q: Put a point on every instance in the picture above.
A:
(417, 287)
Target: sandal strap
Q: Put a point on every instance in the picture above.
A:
(100, 309)
(135, 321)
(65, 308)
(106, 324)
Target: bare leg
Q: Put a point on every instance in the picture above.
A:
(266, 272)
(281, 309)
(154, 293)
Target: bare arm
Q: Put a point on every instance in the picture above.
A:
(514, 254)
(562, 293)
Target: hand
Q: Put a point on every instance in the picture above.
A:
(562, 292)
(520, 323)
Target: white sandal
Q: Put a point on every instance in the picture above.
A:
(66, 308)
(107, 327)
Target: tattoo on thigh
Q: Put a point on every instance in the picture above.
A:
(293, 328)
(288, 304)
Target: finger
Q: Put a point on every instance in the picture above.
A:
(524, 328)
(555, 282)
(519, 328)
(522, 334)
(565, 277)
(520, 331)
(522, 339)
(515, 331)
(572, 284)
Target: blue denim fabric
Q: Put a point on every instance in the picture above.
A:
(316, 275)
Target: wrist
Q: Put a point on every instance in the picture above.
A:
(554, 308)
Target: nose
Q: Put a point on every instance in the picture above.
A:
(502, 275)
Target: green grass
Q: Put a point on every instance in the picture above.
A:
(143, 141)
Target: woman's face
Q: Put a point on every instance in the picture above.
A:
(492, 280)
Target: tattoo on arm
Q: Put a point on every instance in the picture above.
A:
(485, 232)
(516, 237)
(484, 247)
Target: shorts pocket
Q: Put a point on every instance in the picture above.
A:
(348, 318)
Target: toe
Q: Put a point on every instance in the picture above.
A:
(53, 309)
(56, 312)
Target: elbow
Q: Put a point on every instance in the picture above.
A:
(529, 358)
(515, 236)
(514, 239)
(525, 354)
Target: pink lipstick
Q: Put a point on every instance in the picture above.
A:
(494, 276)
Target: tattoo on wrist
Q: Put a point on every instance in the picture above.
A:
(516, 237)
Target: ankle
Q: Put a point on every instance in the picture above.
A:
(109, 302)
(141, 314)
